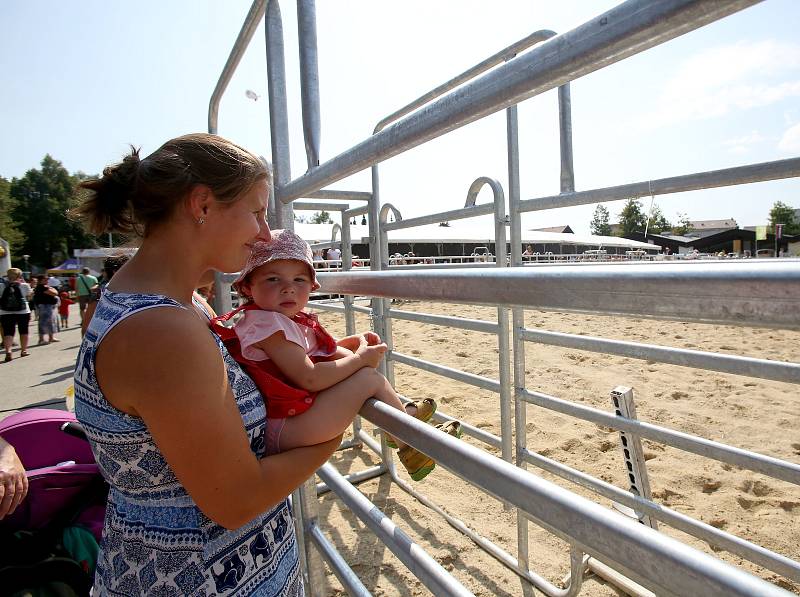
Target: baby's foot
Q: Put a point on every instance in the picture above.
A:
(419, 409)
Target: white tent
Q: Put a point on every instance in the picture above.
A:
(468, 233)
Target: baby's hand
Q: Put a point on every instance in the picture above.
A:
(372, 338)
(371, 355)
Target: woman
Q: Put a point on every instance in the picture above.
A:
(45, 299)
(176, 426)
(15, 311)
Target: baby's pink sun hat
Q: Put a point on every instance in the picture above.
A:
(284, 244)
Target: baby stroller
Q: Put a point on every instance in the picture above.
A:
(49, 544)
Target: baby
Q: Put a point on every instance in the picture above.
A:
(313, 384)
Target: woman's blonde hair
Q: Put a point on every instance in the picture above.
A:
(13, 273)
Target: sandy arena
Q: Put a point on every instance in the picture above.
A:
(744, 412)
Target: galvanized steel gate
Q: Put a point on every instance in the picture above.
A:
(618, 548)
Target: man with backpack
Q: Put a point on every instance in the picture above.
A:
(15, 313)
(84, 287)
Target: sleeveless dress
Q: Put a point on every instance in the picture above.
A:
(156, 541)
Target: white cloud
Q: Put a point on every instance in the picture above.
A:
(727, 79)
(790, 142)
(743, 144)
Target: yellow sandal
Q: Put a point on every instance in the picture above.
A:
(418, 464)
(425, 410)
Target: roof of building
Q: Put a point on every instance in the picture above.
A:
(562, 229)
(706, 224)
(467, 233)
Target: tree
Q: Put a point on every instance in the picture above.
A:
(784, 214)
(321, 217)
(632, 218)
(599, 224)
(44, 199)
(9, 229)
(684, 225)
(658, 222)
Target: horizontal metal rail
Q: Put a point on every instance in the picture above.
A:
(340, 195)
(623, 31)
(779, 469)
(751, 292)
(737, 365)
(652, 559)
(449, 372)
(476, 325)
(423, 566)
(736, 545)
(316, 205)
(750, 173)
(503, 55)
(462, 213)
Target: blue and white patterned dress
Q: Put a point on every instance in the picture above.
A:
(156, 541)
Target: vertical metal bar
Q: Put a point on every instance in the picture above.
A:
(375, 251)
(502, 312)
(309, 78)
(518, 323)
(278, 111)
(306, 506)
(565, 137)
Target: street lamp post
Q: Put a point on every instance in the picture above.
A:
(27, 267)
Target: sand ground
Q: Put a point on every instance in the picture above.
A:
(748, 413)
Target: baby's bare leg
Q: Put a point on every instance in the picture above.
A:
(334, 409)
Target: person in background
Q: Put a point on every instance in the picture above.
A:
(63, 308)
(54, 282)
(110, 267)
(15, 312)
(177, 427)
(45, 300)
(84, 284)
(335, 255)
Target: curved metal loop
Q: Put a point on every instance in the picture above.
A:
(384, 213)
(477, 185)
(336, 228)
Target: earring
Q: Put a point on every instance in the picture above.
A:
(201, 221)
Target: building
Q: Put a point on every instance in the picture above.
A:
(464, 237)
(741, 241)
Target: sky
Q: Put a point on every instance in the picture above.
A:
(84, 80)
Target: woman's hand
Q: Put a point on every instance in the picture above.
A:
(13, 482)
(370, 354)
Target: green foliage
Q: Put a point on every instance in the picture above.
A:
(684, 225)
(784, 214)
(321, 217)
(9, 228)
(43, 200)
(600, 221)
(658, 222)
(632, 218)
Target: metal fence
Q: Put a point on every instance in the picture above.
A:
(632, 555)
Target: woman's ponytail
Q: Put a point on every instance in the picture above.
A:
(108, 206)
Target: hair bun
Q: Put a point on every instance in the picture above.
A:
(108, 209)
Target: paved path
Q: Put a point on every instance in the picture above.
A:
(41, 379)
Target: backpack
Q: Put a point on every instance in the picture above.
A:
(66, 498)
(12, 300)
